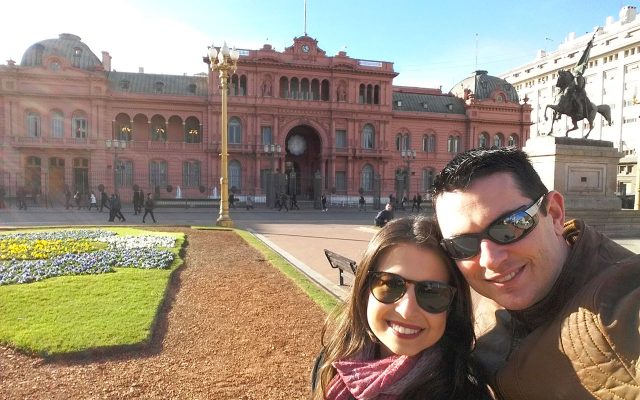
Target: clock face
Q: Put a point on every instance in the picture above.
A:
(305, 48)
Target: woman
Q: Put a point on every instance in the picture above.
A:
(406, 331)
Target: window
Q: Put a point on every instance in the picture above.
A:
(158, 129)
(429, 143)
(159, 87)
(428, 176)
(158, 173)
(483, 140)
(81, 175)
(453, 144)
(57, 124)
(192, 131)
(341, 180)
(341, 139)
(124, 173)
(267, 137)
(368, 137)
(33, 124)
(498, 140)
(361, 94)
(79, 126)
(192, 88)
(402, 141)
(77, 53)
(235, 131)
(191, 173)
(513, 140)
(366, 181)
(235, 175)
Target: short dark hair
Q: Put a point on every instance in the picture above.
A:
(467, 167)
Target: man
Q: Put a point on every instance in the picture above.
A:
(384, 216)
(569, 298)
(149, 205)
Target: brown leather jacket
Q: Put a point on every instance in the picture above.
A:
(582, 341)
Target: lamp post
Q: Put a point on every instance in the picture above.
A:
(272, 150)
(223, 61)
(116, 145)
(408, 155)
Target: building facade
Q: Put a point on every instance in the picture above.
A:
(298, 121)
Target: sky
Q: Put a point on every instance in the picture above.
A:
(432, 43)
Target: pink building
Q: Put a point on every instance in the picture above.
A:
(339, 122)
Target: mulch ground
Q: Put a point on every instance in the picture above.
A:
(233, 327)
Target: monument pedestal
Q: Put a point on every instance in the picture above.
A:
(583, 171)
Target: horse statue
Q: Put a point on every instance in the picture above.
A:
(575, 104)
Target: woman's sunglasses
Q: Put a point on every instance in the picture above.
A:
(433, 297)
(508, 228)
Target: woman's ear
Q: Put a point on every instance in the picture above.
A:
(555, 210)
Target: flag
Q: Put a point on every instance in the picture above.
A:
(581, 65)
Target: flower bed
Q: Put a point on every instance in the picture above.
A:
(35, 256)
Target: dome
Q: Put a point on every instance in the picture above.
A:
(484, 86)
(68, 47)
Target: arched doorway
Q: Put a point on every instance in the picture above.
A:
(303, 158)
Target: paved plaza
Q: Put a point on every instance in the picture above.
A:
(300, 236)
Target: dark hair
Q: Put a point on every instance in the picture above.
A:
(467, 167)
(453, 379)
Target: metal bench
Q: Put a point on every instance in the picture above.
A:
(343, 264)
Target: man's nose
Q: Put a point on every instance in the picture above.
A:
(492, 255)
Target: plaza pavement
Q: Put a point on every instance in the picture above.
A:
(299, 236)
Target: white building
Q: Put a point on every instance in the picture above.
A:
(612, 76)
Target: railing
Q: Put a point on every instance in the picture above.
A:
(40, 141)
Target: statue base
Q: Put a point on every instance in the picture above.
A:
(583, 170)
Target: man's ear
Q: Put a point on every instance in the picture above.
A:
(555, 210)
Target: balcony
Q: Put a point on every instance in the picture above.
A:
(54, 142)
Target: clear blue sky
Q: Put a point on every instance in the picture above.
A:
(430, 42)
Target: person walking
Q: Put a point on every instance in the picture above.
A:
(558, 305)
(78, 199)
(2, 194)
(115, 211)
(138, 201)
(104, 201)
(323, 200)
(249, 202)
(283, 202)
(294, 202)
(149, 205)
(93, 202)
(362, 204)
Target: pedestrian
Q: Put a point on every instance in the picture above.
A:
(403, 202)
(362, 204)
(414, 203)
(323, 200)
(249, 202)
(419, 203)
(115, 211)
(283, 202)
(562, 319)
(21, 197)
(232, 200)
(93, 202)
(149, 205)
(384, 216)
(3, 193)
(294, 201)
(138, 201)
(67, 198)
(104, 201)
(406, 332)
(78, 199)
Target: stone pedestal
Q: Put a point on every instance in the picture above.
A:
(583, 170)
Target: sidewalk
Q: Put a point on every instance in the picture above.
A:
(300, 236)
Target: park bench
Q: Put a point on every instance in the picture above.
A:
(343, 264)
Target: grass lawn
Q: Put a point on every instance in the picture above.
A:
(72, 314)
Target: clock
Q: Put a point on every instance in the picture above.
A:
(305, 48)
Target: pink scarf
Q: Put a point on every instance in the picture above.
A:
(384, 379)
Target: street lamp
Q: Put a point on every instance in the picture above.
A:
(223, 61)
(408, 155)
(272, 150)
(115, 145)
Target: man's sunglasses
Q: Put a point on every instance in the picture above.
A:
(508, 228)
(433, 297)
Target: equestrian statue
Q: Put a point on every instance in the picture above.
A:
(574, 102)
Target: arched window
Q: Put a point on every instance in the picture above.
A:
(513, 140)
(304, 88)
(295, 88)
(483, 140)
(498, 140)
(366, 179)
(402, 141)
(124, 173)
(428, 175)
(376, 94)
(361, 94)
(284, 87)
(33, 124)
(191, 173)
(315, 89)
(243, 85)
(369, 94)
(235, 175)
(234, 85)
(453, 144)
(368, 136)
(57, 124)
(79, 125)
(429, 143)
(235, 131)
(158, 128)
(324, 90)
(192, 131)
